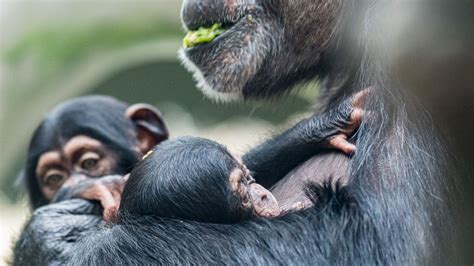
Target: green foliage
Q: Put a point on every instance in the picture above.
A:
(63, 45)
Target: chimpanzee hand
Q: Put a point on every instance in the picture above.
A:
(107, 190)
(332, 128)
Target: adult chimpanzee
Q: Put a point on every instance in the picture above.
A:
(52, 234)
(195, 179)
(397, 178)
(68, 152)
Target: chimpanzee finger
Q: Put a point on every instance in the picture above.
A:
(108, 202)
(358, 100)
(350, 113)
(117, 194)
(110, 215)
(354, 123)
(340, 142)
(115, 182)
(356, 117)
(122, 182)
(126, 177)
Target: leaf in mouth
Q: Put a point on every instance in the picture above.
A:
(203, 35)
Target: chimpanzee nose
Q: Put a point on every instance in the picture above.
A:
(204, 13)
(266, 198)
(198, 13)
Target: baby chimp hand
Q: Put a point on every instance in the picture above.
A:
(332, 128)
(107, 190)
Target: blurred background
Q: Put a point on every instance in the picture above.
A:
(53, 50)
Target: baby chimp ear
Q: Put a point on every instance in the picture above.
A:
(151, 128)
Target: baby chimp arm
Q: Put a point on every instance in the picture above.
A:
(273, 159)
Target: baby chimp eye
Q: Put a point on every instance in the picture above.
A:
(89, 164)
(54, 178)
(89, 161)
(249, 179)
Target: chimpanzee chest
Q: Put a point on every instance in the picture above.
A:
(320, 168)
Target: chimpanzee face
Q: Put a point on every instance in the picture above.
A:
(80, 158)
(253, 196)
(88, 137)
(267, 45)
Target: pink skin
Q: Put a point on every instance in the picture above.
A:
(264, 203)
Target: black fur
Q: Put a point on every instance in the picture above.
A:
(156, 196)
(399, 174)
(185, 178)
(335, 220)
(392, 211)
(276, 157)
(51, 235)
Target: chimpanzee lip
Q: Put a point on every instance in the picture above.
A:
(229, 31)
(209, 32)
(223, 21)
(227, 24)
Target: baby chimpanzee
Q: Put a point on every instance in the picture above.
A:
(198, 180)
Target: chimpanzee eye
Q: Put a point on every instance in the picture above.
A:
(89, 161)
(250, 179)
(247, 179)
(54, 178)
(89, 164)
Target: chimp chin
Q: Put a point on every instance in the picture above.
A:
(269, 46)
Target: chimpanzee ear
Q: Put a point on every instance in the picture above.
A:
(151, 129)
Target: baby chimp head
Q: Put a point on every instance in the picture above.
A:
(195, 179)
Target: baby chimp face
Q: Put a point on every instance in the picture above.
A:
(253, 196)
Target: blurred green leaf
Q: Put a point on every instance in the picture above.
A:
(64, 45)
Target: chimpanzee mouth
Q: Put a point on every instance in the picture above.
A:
(209, 34)
(203, 35)
(223, 56)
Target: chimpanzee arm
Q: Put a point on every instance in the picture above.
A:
(273, 159)
(50, 236)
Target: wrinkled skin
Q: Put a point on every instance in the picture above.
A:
(253, 196)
